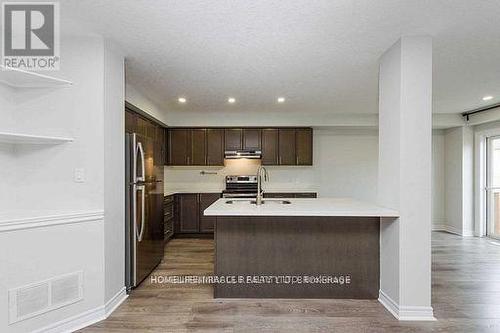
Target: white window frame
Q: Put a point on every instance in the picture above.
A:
(480, 178)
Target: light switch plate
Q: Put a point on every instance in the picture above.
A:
(79, 176)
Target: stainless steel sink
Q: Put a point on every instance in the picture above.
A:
(253, 202)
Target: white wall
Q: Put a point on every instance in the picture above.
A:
(45, 174)
(459, 168)
(7, 152)
(405, 177)
(43, 184)
(138, 99)
(114, 171)
(438, 179)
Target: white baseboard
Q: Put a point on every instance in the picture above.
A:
(86, 318)
(439, 226)
(406, 313)
(115, 301)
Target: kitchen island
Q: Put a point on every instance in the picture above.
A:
(298, 248)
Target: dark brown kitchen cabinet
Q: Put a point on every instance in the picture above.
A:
(233, 138)
(142, 126)
(205, 146)
(286, 150)
(160, 146)
(168, 217)
(179, 146)
(304, 149)
(187, 213)
(251, 139)
(130, 121)
(215, 146)
(207, 223)
(198, 147)
(269, 146)
(189, 209)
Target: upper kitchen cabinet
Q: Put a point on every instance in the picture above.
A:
(215, 146)
(233, 139)
(286, 142)
(303, 145)
(269, 146)
(142, 126)
(251, 139)
(198, 147)
(205, 146)
(160, 152)
(130, 121)
(179, 146)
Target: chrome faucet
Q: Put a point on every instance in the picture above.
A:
(260, 171)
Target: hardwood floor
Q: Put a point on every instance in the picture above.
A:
(465, 296)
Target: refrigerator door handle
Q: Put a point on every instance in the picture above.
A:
(140, 233)
(134, 230)
(140, 150)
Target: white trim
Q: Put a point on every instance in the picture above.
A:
(480, 178)
(50, 220)
(75, 323)
(452, 230)
(23, 138)
(406, 313)
(86, 318)
(115, 301)
(19, 78)
(439, 224)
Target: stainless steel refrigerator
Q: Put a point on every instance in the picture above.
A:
(144, 208)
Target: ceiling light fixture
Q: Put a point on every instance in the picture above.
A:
(487, 98)
(182, 100)
(231, 100)
(281, 99)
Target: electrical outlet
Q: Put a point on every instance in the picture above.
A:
(79, 176)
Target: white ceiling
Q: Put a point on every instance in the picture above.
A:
(321, 55)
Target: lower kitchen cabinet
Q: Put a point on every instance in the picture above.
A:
(168, 217)
(207, 223)
(187, 213)
(189, 209)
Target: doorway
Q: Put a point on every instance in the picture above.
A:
(492, 187)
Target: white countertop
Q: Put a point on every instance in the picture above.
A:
(300, 207)
(194, 190)
(219, 190)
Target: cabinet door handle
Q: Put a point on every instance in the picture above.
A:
(297, 160)
(280, 160)
(187, 158)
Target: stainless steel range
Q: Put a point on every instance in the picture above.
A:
(240, 187)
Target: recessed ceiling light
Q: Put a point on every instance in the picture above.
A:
(487, 98)
(281, 99)
(182, 100)
(231, 100)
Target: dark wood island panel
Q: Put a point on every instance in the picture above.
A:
(298, 246)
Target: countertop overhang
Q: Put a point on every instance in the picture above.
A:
(300, 207)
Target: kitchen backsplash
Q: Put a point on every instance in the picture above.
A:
(281, 178)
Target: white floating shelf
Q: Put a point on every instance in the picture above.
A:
(23, 79)
(18, 138)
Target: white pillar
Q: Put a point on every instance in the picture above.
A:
(404, 179)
